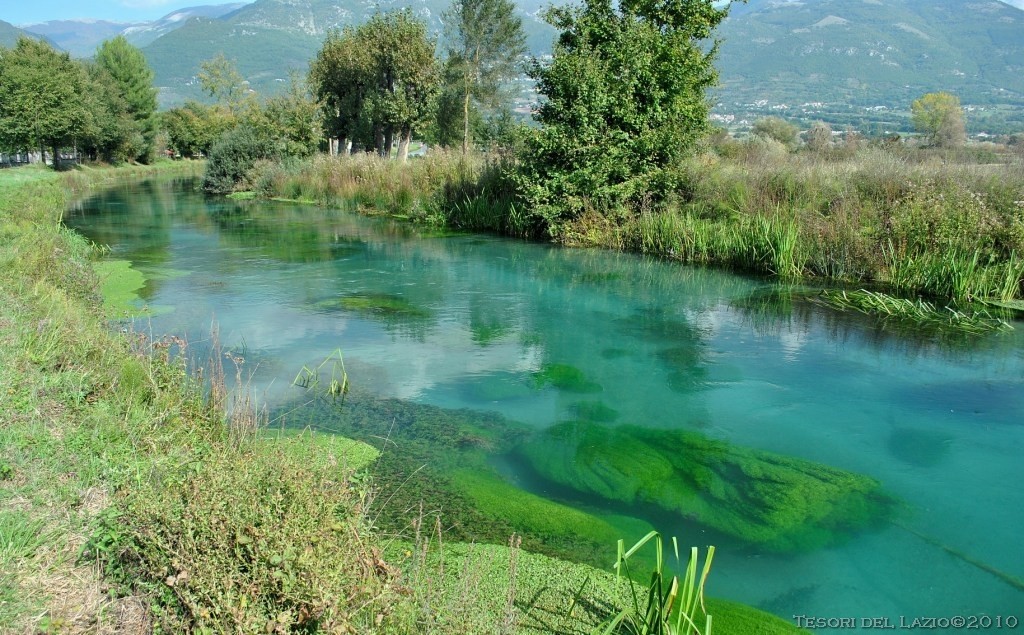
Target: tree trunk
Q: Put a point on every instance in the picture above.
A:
(389, 142)
(465, 123)
(346, 146)
(403, 145)
(332, 146)
(379, 142)
(56, 157)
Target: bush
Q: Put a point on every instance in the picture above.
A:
(231, 158)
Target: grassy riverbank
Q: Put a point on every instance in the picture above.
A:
(945, 226)
(130, 501)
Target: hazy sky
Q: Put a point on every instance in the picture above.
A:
(29, 11)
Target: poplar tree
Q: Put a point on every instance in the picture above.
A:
(486, 41)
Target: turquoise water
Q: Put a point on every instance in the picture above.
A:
(527, 336)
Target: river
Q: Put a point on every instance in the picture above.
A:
(622, 387)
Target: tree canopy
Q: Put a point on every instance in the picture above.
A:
(41, 98)
(624, 98)
(377, 82)
(940, 118)
(486, 41)
(134, 96)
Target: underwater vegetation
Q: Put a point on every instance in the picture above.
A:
(122, 286)
(566, 378)
(499, 386)
(434, 461)
(596, 411)
(380, 304)
(917, 315)
(778, 502)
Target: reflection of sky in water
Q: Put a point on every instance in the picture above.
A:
(654, 344)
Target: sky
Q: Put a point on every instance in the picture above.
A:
(20, 12)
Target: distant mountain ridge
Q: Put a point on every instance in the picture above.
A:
(9, 35)
(271, 38)
(872, 51)
(81, 37)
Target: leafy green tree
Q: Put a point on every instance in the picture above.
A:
(624, 100)
(377, 82)
(776, 128)
(404, 78)
(940, 118)
(134, 81)
(221, 80)
(292, 119)
(487, 41)
(113, 133)
(340, 79)
(41, 98)
(193, 128)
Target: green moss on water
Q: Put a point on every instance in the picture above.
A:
(566, 378)
(775, 501)
(120, 286)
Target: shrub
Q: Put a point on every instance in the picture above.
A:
(233, 156)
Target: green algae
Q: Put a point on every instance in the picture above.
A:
(120, 286)
(778, 502)
(596, 411)
(565, 378)
(329, 449)
(377, 304)
(539, 517)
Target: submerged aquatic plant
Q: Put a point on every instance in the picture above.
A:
(670, 607)
(309, 378)
(917, 313)
(778, 502)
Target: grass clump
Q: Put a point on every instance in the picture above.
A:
(255, 539)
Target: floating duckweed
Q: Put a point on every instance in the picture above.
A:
(779, 502)
(565, 377)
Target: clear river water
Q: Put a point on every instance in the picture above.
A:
(843, 470)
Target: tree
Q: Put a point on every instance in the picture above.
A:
(134, 81)
(776, 128)
(487, 40)
(292, 119)
(41, 98)
(340, 78)
(940, 118)
(221, 80)
(404, 78)
(624, 100)
(819, 137)
(377, 82)
(193, 128)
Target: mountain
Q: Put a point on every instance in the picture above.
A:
(81, 37)
(270, 38)
(9, 35)
(142, 34)
(870, 54)
(78, 37)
